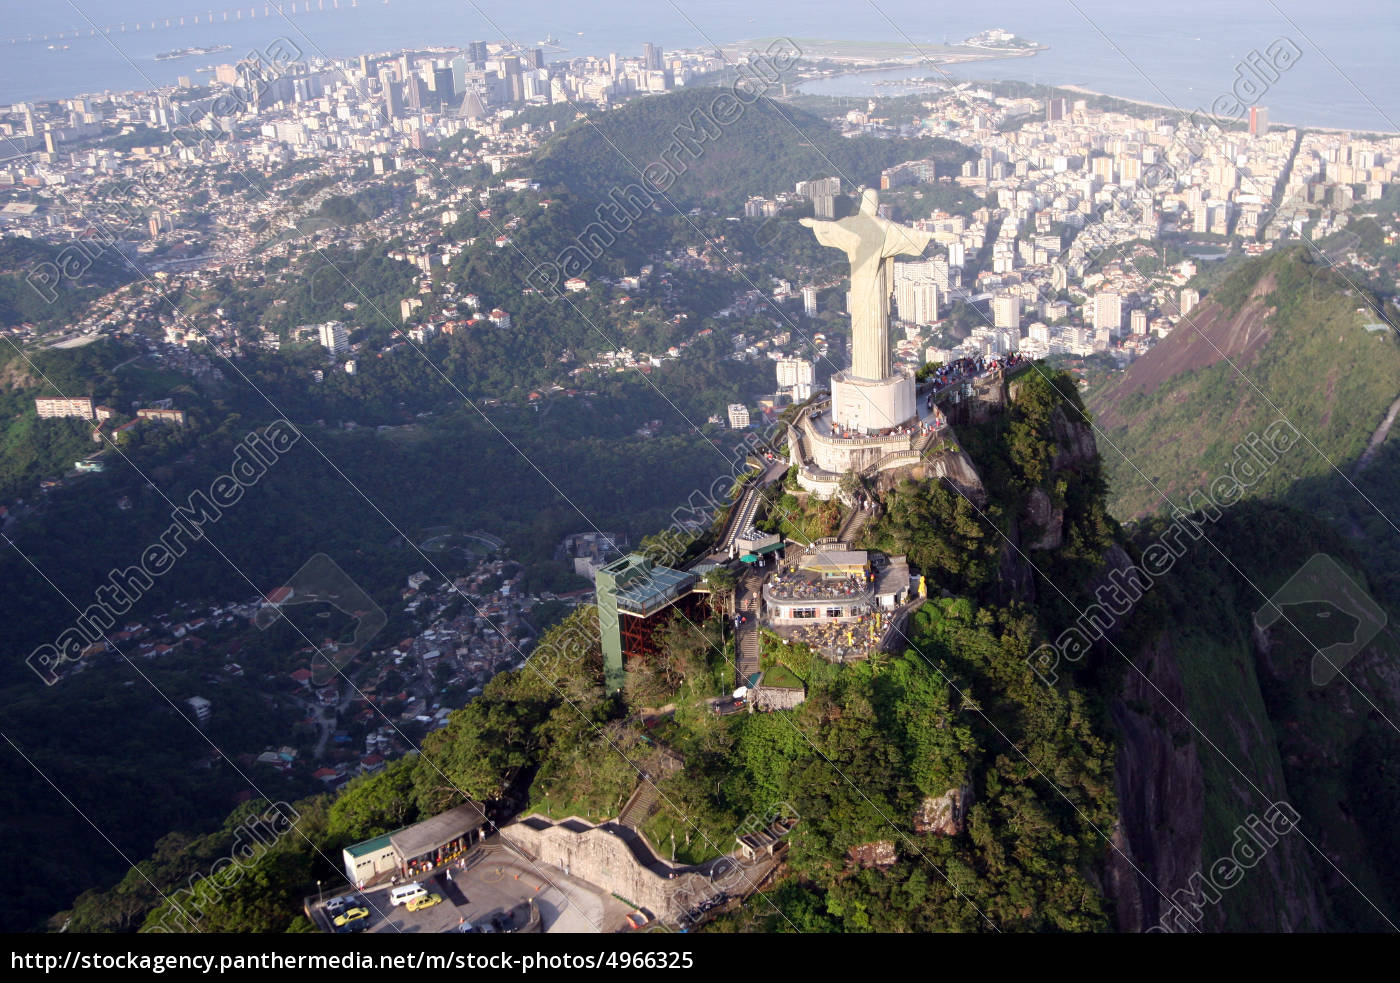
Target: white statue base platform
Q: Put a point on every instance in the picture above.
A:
(871, 406)
(824, 451)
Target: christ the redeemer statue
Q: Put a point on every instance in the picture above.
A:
(870, 243)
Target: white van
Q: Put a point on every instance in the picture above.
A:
(406, 893)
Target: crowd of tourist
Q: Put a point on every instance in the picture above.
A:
(964, 368)
(915, 426)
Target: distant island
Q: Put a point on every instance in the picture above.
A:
(998, 39)
(994, 43)
(186, 52)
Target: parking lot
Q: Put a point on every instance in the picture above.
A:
(494, 883)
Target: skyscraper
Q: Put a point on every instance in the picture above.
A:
(1258, 121)
(389, 87)
(515, 84)
(443, 85)
(393, 101)
(1108, 313)
(823, 193)
(916, 301)
(809, 301)
(1006, 312)
(414, 89)
(793, 372)
(651, 56)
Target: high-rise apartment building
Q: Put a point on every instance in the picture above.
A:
(917, 301)
(793, 372)
(334, 337)
(823, 193)
(1258, 121)
(1006, 312)
(1108, 313)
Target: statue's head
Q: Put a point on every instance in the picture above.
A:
(869, 202)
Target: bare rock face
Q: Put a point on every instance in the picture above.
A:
(1160, 788)
(1074, 440)
(957, 468)
(1015, 574)
(944, 814)
(1042, 515)
(880, 855)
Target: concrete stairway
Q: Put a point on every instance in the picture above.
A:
(639, 806)
(746, 636)
(852, 527)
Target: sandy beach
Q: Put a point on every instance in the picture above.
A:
(1180, 110)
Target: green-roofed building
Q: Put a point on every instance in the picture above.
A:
(366, 862)
(635, 595)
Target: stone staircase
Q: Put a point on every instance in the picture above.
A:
(639, 806)
(746, 658)
(852, 527)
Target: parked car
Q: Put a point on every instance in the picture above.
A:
(424, 901)
(351, 915)
(337, 905)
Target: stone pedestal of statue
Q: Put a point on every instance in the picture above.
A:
(869, 397)
(870, 405)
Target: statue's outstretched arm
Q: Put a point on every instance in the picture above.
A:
(831, 234)
(900, 240)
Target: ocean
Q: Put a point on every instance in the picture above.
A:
(1187, 55)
